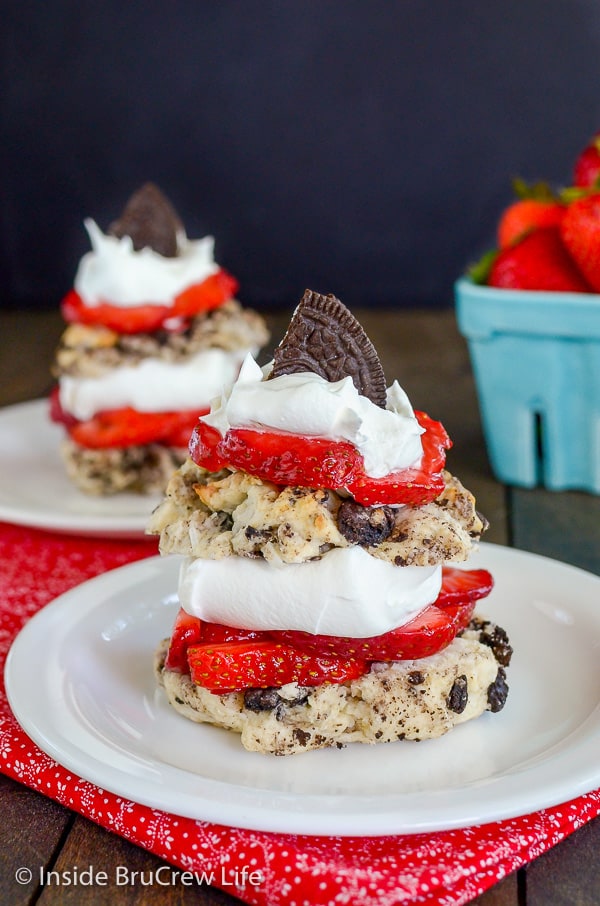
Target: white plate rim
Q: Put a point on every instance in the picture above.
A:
(128, 515)
(566, 771)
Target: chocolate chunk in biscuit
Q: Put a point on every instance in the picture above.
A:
(495, 638)
(325, 338)
(364, 525)
(150, 220)
(261, 699)
(498, 692)
(459, 695)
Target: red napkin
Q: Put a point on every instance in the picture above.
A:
(437, 869)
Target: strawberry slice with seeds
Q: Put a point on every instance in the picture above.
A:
(301, 461)
(186, 631)
(189, 631)
(127, 427)
(147, 318)
(234, 666)
(459, 585)
(429, 632)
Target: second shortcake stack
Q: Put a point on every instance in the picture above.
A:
(154, 333)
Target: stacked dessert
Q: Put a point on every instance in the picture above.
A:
(154, 333)
(317, 520)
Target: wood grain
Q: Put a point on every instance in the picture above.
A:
(31, 833)
(505, 893)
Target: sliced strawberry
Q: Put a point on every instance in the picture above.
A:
(298, 460)
(126, 427)
(234, 666)
(57, 413)
(225, 659)
(204, 447)
(189, 631)
(216, 633)
(202, 297)
(459, 585)
(539, 261)
(429, 632)
(186, 631)
(291, 460)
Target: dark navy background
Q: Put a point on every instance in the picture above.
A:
(361, 147)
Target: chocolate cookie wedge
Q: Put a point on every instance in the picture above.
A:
(150, 220)
(325, 338)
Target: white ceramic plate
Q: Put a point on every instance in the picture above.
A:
(95, 709)
(35, 491)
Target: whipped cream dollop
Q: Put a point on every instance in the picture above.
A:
(347, 592)
(153, 385)
(114, 272)
(305, 403)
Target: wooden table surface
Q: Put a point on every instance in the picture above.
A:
(429, 358)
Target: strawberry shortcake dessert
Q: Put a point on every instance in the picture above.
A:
(322, 595)
(154, 333)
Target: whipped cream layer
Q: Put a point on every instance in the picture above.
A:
(305, 403)
(153, 385)
(347, 592)
(114, 272)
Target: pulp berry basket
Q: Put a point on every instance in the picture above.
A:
(536, 361)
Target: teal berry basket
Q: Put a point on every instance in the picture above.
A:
(536, 361)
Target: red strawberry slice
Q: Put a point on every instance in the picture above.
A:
(189, 631)
(539, 261)
(298, 460)
(459, 585)
(580, 231)
(234, 666)
(429, 632)
(205, 296)
(126, 427)
(225, 659)
(186, 631)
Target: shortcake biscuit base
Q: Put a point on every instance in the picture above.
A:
(214, 515)
(140, 469)
(412, 700)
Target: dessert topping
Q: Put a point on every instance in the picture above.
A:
(224, 658)
(326, 339)
(151, 221)
(319, 596)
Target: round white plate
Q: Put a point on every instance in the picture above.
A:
(94, 707)
(35, 491)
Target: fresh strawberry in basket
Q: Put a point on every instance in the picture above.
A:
(538, 262)
(526, 215)
(580, 231)
(586, 173)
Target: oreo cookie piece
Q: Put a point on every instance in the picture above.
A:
(150, 220)
(325, 338)
(365, 525)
